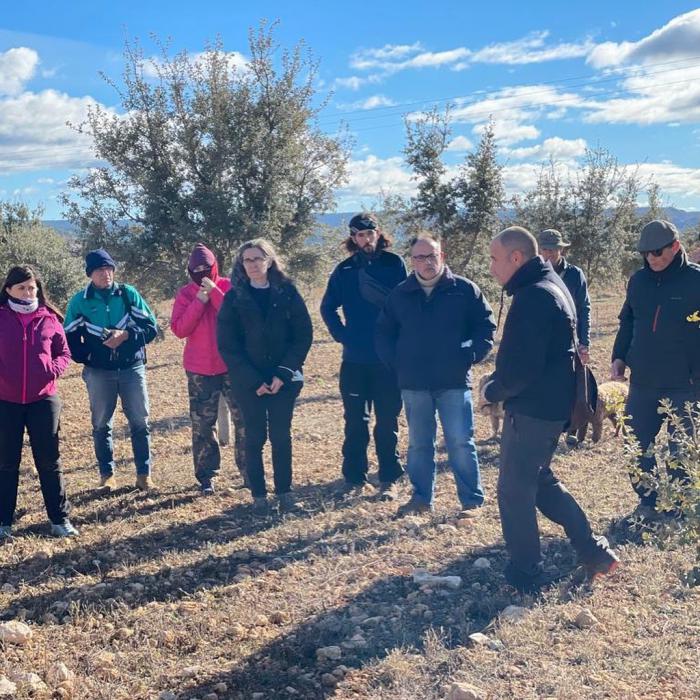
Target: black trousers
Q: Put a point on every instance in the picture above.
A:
(646, 421)
(263, 416)
(42, 421)
(526, 484)
(363, 387)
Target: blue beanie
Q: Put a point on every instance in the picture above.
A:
(96, 259)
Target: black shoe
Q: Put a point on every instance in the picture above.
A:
(261, 507)
(287, 503)
(524, 583)
(413, 507)
(388, 491)
(207, 489)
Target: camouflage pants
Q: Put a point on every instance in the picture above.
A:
(204, 392)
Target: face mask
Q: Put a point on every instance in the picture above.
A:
(197, 277)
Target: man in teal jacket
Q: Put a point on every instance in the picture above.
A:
(108, 326)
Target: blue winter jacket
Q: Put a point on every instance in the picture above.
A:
(359, 285)
(575, 282)
(432, 341)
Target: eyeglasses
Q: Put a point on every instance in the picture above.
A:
(425, 258)
(656, 253)
(255, 260)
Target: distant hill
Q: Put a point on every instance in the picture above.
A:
(681, 218)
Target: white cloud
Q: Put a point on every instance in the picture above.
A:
(391, 59)
(368, 177)
(17, 66)
(34, 134)
(673, 179)
(677, 39)
(370, 103)
(355, 82)
(530, 49)
(554, 148)
(459, 144)
(236, 61)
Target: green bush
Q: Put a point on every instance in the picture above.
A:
(676, 480)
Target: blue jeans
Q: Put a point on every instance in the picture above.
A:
(104, 386)
(454, 406)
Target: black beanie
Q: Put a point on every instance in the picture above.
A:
(96, 259)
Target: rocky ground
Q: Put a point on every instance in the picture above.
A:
(172, 595)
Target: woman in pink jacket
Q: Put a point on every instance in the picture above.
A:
(33, 354)
(194, 318)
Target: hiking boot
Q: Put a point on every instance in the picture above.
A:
(108, 482)
(260, 506)
(144, 482)
(603, 561)
(413, 507)
(470, 511)
(526, 584)
(5, 532)
(571, 439)
(64, 529)
(287, 503)
(207, 489)
(388, 491)
(356, 490)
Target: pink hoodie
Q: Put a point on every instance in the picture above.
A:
(32, 355)
(196, 321)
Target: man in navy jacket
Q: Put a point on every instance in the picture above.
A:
(433, 328)
(535, 380)
(659, 340)
(359, 286)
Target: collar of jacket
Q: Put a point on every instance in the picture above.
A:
(90, 290)
(360, 259)
(561, 266)
(412, 284)
(532, 271)
(679, 262)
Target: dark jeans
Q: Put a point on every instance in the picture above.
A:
(526, 484)
(204, 392)
(645, 422)
(270, 414)
(362, 387)
(42, 421)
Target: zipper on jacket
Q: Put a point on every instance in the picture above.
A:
(656, 318)
(24, 368)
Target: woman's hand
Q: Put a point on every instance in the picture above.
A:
(275, 385)
(263, 389)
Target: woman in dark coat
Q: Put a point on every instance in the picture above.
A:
(264, 334)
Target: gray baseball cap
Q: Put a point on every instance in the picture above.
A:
(550, 238)
(656, 235)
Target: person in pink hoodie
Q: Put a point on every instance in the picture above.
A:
(194, 319)
(33, 354)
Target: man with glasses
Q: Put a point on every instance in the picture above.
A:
(659, 341)
(359, 286)
(433, 328)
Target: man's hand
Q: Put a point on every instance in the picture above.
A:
(116, 339)
(617, 370)
(262, 390)
(275, 385)
(584, 354)
(204, 289)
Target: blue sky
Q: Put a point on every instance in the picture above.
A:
(625, 75)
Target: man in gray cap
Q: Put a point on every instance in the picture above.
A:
(659, 341)
(553, 247)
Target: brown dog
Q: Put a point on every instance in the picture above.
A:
(612, 397)
(493, 410)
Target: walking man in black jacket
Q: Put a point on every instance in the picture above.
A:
(659, 340)
(535, 378)
(433, 328)
(359, 286)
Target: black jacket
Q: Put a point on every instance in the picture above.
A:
(432, 342)
(575, 282)
(256, 347)
(657, 338)
(359, 285)
(535, 373)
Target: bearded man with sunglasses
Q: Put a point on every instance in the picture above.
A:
(659, 340)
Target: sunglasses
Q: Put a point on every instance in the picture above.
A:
(656, 253)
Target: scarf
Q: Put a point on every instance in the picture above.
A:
(22, 306)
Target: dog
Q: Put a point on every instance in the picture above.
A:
(493, 410)
(612, 397)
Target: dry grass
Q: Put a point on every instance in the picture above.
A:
(176, 592)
